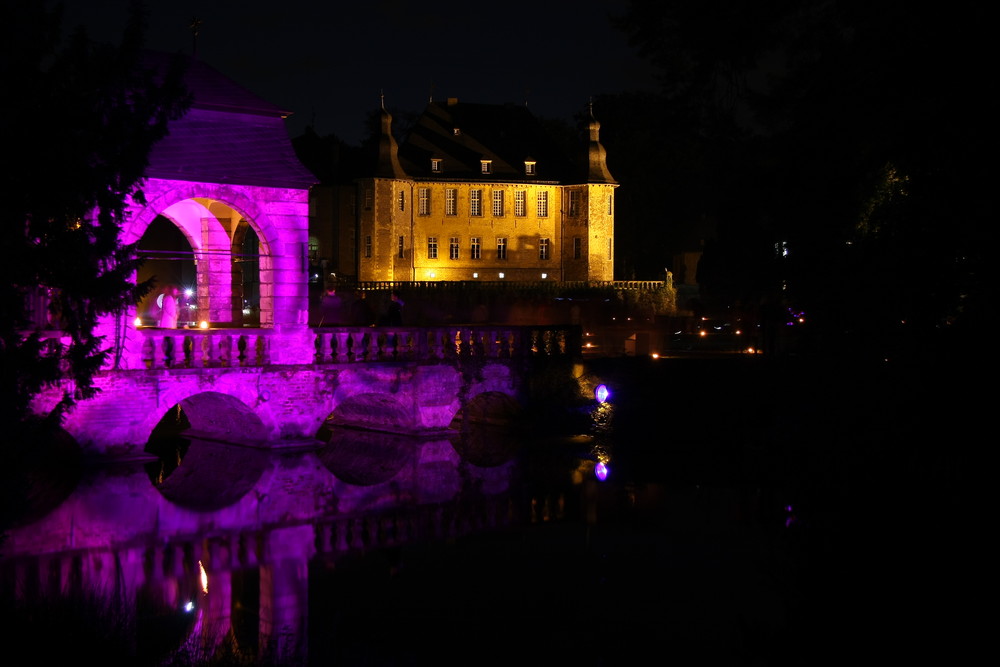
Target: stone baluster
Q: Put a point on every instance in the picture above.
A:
(373, 346)
(159, 356)
(324, 339)
(342, 337)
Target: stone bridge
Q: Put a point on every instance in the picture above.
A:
(277, 388)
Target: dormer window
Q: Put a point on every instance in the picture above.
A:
(486, 166)
(436, 165)
(529, 167)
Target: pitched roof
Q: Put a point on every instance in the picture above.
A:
(229, 135)
(463, 134)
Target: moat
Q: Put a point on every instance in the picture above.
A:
(755, 511)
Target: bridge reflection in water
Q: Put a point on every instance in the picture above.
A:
(215, 547)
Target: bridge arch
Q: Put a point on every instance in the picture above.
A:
(372, 410)
(215, 220)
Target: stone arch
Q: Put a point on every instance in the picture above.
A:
(203, 463)
(210, 215)
(373, 411)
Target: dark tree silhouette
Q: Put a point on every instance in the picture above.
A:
(77, 140)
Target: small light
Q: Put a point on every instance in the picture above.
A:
(204, 578)
(203, 324)
(189, 292)
(501, 274)
(601, 393)
(475, 274)
(137, 322)
(655, 355)
(189, 606)
(601, 471)
(544, 276)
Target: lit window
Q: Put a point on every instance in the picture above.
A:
(529, 168)
(436, 165)
(486, 166)
(543, 249)
(451, 201)
(498, 203)
(424, 201)
(543, 204)
(475, 202)
(402, 200)
(519, 205)
(475, 247)
(401, 247)
(368, 246)
(577, 248)
(501, 248)
(432, 247)
(453, 247)
(574, 203)
(456, 131)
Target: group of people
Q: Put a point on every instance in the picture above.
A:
(354, 309)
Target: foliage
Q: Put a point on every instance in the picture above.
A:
(796, 112)
(80, 134)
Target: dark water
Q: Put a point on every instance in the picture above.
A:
(756, 512)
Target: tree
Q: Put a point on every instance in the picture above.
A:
(806, 108)
(78, 139)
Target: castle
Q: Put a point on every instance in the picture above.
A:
(476, 192)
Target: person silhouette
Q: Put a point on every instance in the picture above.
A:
(168, 308)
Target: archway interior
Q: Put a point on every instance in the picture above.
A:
(211, 253)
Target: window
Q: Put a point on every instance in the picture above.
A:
(577, 248)
(453, 247)
(529, 168)
(543, 204)
(611, 204)
(519, 207)
(369, 199)
(368, 246)
(501, 248)
(424, 201)
(543, 248)
(610, 253)
(456, 131)
(402, 200)
(486, 166)
(498, 203)
(475, 202)
(401, 247)
(432, 247)
(475, 247)
(574, 203)
(451, 201)
(436, 165)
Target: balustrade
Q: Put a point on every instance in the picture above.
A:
(233, 348)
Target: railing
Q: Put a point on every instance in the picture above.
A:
(194, 348)
(233, 348)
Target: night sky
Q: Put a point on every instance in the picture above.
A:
(329, 62)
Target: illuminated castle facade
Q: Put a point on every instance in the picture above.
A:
(476, 192)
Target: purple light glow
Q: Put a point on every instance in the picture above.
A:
(601, 471)
(602, 393)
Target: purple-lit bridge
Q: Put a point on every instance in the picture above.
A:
(273, 389)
